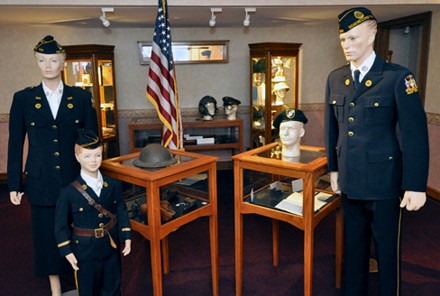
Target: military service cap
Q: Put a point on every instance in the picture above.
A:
(228, 101)
(48, 45)
(88, 139)
(353, 17)
(289, 115)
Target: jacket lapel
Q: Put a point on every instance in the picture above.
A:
(371, 79)
(67, 103)
(41, 104)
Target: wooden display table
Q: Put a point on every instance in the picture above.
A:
(259, 169)
(151, 182)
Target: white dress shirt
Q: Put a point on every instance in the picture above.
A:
(94, 183)
(54, 97)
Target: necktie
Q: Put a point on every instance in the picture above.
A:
(357, 73)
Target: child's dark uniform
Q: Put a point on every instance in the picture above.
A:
(98, 262)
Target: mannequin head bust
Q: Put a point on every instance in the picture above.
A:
(231, 105)
(280, 89)
(290, 124)
(208, 107)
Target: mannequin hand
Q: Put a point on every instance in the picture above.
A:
(334, 182)
(15, 197)
(72, 260)
(413, 200)
(127, 248)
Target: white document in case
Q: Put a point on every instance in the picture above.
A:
(205, 141)
(294, 202)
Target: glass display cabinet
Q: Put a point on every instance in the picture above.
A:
(91, 67)
(294, 192)
(161, 200)
(273, 85)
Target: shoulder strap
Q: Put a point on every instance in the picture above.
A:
(91, 201)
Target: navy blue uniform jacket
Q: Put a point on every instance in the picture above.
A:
(376, 137)
(51, 162)
(73, 208)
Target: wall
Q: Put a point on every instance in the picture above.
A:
(320, 53)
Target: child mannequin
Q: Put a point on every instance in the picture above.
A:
(87, 237)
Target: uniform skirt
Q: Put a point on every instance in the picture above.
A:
(47, 259)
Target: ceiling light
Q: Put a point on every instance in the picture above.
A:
(103, 18)
(247, 16)
(212, 20)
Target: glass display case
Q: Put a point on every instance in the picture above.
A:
(161, 200)
(91, 67)
(273, 85)
(297, 193)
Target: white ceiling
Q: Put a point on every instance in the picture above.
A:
(193, 16)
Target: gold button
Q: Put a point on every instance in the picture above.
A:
(350, 119)
(54, 126)
(352, 104)
(100, 215)
(101, 225)
(334, 102)
(376, 104)
(350, 134)
(32, 123)
(58, 167)
(81, 209)
(56, 154)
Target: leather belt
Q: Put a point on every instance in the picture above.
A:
(97, 232)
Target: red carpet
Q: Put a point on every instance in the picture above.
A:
(190, 270)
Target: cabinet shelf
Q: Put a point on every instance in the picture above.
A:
(227, 134)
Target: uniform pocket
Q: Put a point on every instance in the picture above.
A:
(337, 101)
(383, 170)
(378, 109)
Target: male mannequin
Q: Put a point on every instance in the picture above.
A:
(231, 106)
(290, 124)
(370, 163)
(49, 114)
(208, 107)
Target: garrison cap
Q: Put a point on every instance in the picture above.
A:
(353, 17)
(48, 45)
(227, 101)
(88, 139)
(289, 115)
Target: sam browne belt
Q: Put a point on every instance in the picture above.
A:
(97, 232)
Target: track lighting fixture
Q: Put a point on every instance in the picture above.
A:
(247, 16)
(103, 18)
(213, 17)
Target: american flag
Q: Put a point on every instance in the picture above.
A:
(161, 84)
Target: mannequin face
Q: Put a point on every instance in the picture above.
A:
(291, 132)
(230, 109)
(211, 108)
(50, 65)
(90, 160)
(357, 43)
(281, 93)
